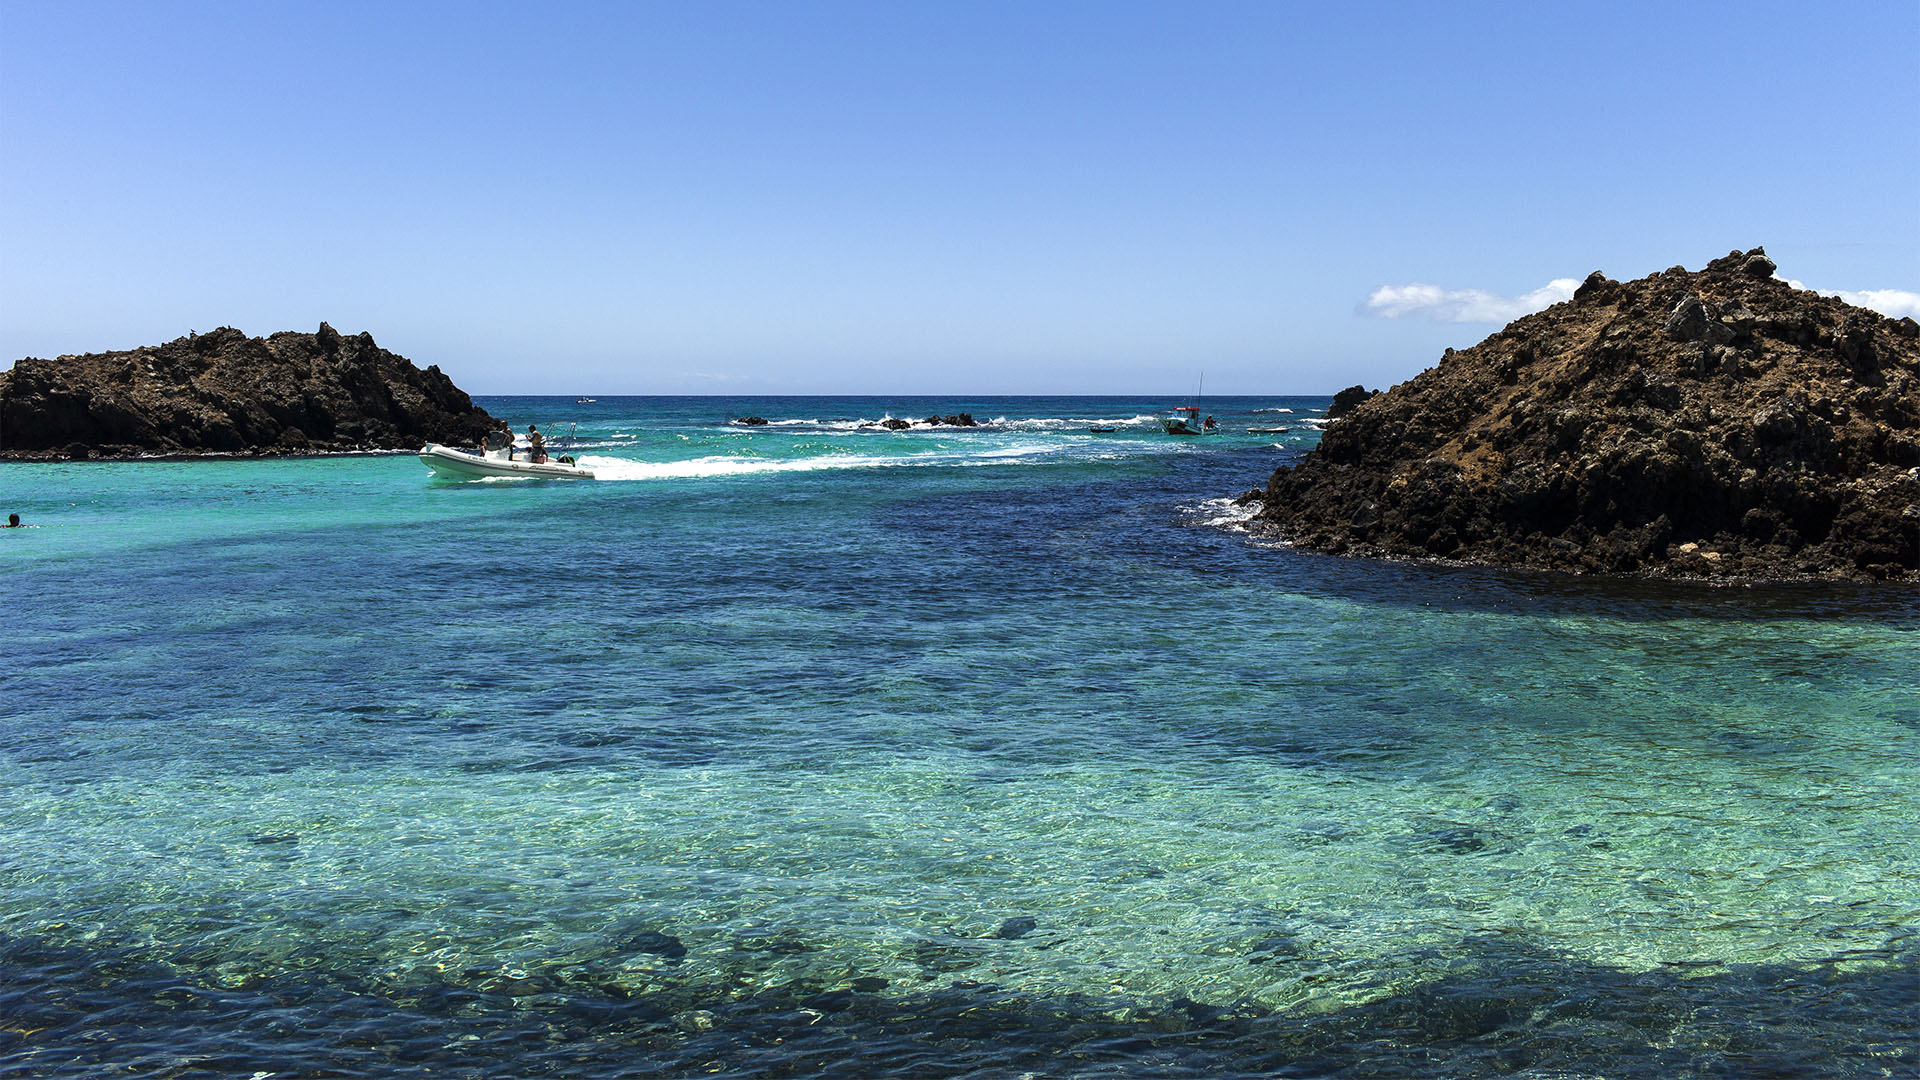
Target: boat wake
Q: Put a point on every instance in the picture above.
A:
(613, 468)
(874, 425)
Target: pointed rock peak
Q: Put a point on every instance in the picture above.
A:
(1345, 400)
(1595, 287)
(1756, 264)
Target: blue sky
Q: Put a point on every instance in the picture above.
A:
(926, 198)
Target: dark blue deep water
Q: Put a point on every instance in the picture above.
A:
(816, 749)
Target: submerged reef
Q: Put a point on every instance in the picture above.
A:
(226, 393)
(1713, 424)
(1488, 1008)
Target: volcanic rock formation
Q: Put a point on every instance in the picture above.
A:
(1711, 424)
(1345, 400)
(224, 392)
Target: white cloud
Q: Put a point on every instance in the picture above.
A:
(1893, 303)
(1417, 300)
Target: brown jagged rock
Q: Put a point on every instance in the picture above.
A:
(1710, 424)
(224, 392)
(1345, 400)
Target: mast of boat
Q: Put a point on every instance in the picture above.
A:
(1199, 391)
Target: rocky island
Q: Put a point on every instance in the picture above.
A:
(226, 393)
(1718, 423)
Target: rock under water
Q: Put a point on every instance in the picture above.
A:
(224, 392)
(1718, 423)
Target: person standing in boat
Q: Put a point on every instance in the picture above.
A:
(536, 445)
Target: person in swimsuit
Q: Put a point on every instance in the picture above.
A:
(536, 445)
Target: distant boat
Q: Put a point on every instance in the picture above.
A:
(583, 401)
(1185, 420)
(1100, 430)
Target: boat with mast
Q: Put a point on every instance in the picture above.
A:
(1185, 419)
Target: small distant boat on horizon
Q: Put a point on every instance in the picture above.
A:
(583, 401)
(450, 464)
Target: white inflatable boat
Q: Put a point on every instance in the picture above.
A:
(453, 464)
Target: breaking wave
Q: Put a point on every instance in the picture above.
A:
(1224, 513)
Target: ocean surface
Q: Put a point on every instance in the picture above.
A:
(817, 749)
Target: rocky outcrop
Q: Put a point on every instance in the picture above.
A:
(1345, 400)
(1714, 424)
(224, 392)
(956, 420)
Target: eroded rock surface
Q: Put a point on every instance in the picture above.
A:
(1718, 423)
(224, 392)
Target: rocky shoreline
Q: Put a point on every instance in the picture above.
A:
(224, 394)
(1712, 424)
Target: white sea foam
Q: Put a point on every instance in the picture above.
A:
(1019, 450)
(845, 424)
(574, 446)
(1070, 423)
(1223, 513)
(1273, 410)
(841, 425)
(612, 468)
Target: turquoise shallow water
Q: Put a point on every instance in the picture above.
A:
(811, 747)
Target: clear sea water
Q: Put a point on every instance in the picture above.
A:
(814, 749)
